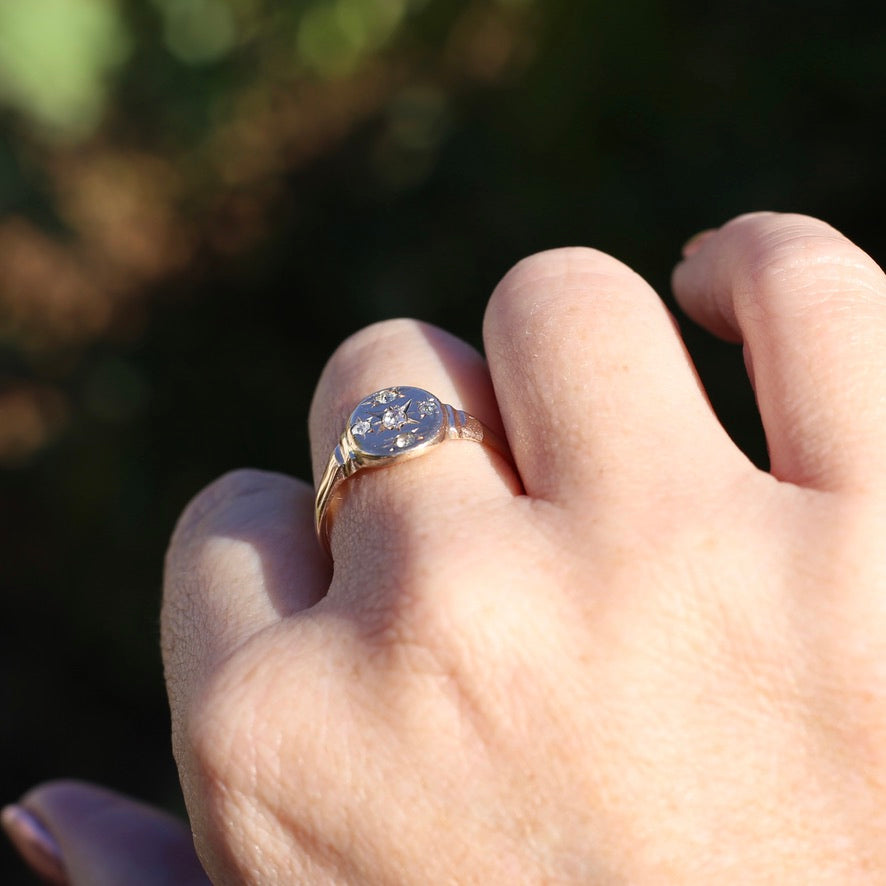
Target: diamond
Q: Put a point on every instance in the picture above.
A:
(361, 427)
(394, 417)
(404, 440)
(387, 396)
(428, 407)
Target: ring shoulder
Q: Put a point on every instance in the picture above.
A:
(340, 466)
(462, 426)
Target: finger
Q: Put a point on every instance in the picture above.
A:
(810, 307)
(83, 835)
(594, 384)
(243, 558)
(388, 509)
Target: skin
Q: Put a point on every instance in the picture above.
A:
(636, 660)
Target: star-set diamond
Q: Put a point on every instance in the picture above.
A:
(395, 417)
(387, 396)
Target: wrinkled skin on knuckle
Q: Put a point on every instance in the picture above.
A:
(801, 270)
(445, 639)
(557, 270)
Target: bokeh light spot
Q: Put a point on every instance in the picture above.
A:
(54, 59)
(333, 37)
(198, 31)
(370, 22)
(32, 414)
(326, 45)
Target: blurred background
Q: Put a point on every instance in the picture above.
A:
(200, 198)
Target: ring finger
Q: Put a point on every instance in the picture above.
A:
(388, 511)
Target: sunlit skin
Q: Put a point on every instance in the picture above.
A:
(634, 658)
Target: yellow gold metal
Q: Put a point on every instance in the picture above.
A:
(391, 425)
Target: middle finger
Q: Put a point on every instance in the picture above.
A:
(595, 386)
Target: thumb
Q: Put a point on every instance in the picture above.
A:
(76, 834)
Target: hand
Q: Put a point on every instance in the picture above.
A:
(658, 665)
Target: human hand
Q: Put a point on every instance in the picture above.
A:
(638, 660)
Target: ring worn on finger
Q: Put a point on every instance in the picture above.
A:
(388, 426)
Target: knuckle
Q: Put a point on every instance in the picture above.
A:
(198, 548)
(377, 345)
(225, 731)
(545, 282)
(220, 733)
(567, 268)
(438, 614)
(564, 261)
(383, 337)
(233, 485)
(798, 267)
(380, 334)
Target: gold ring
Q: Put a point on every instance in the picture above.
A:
(388, 426)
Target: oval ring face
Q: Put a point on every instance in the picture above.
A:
(394, 421)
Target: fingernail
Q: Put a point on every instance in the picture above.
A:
(694, 243)
(35, 844)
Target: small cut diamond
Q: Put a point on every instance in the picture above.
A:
(387, 396)
(428, 407)
(394, 417)
(404, 440)
(361, 427)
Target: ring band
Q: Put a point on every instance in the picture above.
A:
(388, 426)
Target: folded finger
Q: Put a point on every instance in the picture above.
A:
(79, 834)
(810, 307)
